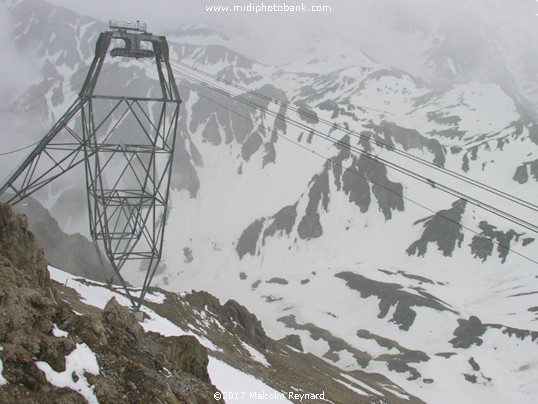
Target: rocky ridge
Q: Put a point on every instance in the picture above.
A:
(38, 327)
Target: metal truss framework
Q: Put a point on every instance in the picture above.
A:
(127, 145)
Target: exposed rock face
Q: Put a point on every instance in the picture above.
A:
(282, 222)
(410, 139)
(233, 316)
(444, 228)
(72, 252)
(351, 175)
(336, 345)
(310, 226)
(393, 294)
(294, 341)
(522, 172)
(28, 308)
(248, 322)
(134, 366)
(231, 328)
(482, 245)
(399, 361)
(470, 332)
(249, 239)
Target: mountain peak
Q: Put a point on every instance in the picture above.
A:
(328, 55)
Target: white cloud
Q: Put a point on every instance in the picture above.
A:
(15, 67)
(377, 25)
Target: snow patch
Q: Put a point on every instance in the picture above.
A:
(256, 355)
(397, 393)
(82, 360)
(155, 297)
(58, 332)
(363, 385)
(166, 328)
(99, 296)
(229, 379)
(352, 388)
(2, 380)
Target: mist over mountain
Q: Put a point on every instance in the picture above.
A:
(317, 222)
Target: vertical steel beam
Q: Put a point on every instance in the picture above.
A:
(127, 174)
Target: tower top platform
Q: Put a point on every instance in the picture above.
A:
(128, 26)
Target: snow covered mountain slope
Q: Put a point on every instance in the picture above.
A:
(241, 357)
(463, 41)
(373, 270)
(63, 337)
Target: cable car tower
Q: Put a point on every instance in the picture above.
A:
(126, 145)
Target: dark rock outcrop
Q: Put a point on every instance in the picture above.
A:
(248, 323)
(249, 239)
(468, 333)
(482, 244)
(444, 228)
(336, 345)
(294, 341)
(392, 294)
(319, 195)
(233, 316)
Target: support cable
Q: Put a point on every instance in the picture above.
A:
(354, 172)
(379, 143)
(449, 190)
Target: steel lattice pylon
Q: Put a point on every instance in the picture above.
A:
(126, 144)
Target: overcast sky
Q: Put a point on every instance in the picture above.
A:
(386, 30)
(345, 13)
(369, 24)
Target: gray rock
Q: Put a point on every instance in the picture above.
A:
(468, 333)
(336, 344)
(310, 225)
(211, 131)
(279, 281)
(521, 175)
(119, 320)
(409, 139)
(248, 241)
(282, 222)
(307, 114)
(356, 186)
(443, 228)
(294, 341)
(187, 253)
(482, 244)
(249, 323)
(391, 294)
(253, 143)
(474, 365)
